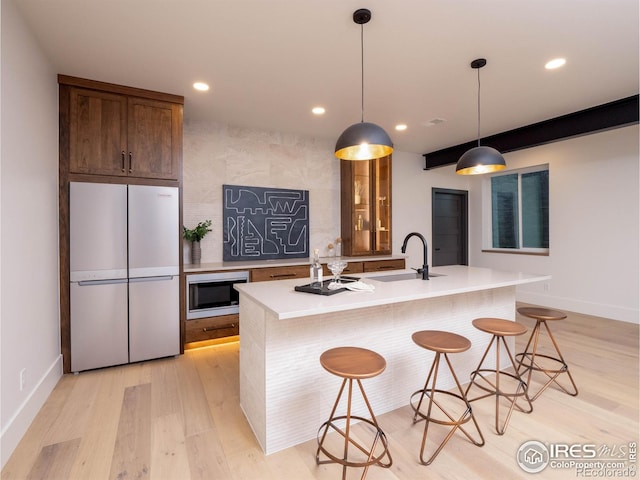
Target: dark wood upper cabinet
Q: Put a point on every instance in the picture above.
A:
(154, 138)
(97, 133)
(120, 131)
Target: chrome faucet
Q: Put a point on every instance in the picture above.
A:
(425, 268)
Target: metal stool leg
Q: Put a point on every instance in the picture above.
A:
(430, 392)
(494, 388)
(532, 365)
(348, 440)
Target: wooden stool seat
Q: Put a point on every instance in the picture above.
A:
(531, 360)
(539, 313)
(499, 326)
(443, 344)
(482, 377)
(353, 364)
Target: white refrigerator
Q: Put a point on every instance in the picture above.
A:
(124, 265)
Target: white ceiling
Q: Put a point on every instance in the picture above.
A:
(269, 62)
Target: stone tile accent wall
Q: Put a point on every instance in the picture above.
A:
(215, 154)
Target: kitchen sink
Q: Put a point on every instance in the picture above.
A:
(404, 276)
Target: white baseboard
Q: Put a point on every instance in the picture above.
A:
(17, 426)
(613, 312)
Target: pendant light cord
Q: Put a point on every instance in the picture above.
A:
(478, 107)
(362, 72)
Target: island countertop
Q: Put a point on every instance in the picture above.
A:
(284, 302)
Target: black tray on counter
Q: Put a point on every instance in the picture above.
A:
(325, 283)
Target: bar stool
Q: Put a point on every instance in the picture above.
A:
(442, 343)
(499, 329)
(353, 363)
(528, 359)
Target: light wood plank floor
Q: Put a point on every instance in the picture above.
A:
(180, 418)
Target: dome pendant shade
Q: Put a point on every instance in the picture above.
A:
(480, 160)
(363, 141)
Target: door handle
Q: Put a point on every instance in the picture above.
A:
(89, 283)
(161, 278)
(130, 162)
(123, 167)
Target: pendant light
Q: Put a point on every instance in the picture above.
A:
(364, 140)
(480, 159)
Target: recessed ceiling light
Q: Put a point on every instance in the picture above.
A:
(318, 110)
(555, 63)
(400, 127)
(203, 87)
(434, 121)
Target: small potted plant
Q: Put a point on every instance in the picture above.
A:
(194, 235)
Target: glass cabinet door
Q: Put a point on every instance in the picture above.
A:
(382, 204)
(361, 208)
(366, 206)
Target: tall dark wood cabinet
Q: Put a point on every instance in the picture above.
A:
(366, 206)
(114, 134)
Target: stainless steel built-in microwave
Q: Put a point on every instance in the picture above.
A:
(212, 294)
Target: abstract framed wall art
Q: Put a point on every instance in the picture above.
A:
(261, 223)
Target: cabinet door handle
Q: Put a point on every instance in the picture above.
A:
(123, 161)
(130, 162)
(386, 267)
(282, 275)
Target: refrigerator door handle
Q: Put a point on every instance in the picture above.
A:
(88, 283)
(161, 278)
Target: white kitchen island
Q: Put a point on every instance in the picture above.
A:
(284, 392)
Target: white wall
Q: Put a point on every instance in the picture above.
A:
(29, 319)
(593, 226)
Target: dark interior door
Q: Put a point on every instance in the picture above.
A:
(449, 227)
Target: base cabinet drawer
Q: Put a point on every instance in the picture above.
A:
(382, 265)
(211, 327)
(353, 267)
(279, 273)
(302, 271)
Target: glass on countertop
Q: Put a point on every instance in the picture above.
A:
(336, 267)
